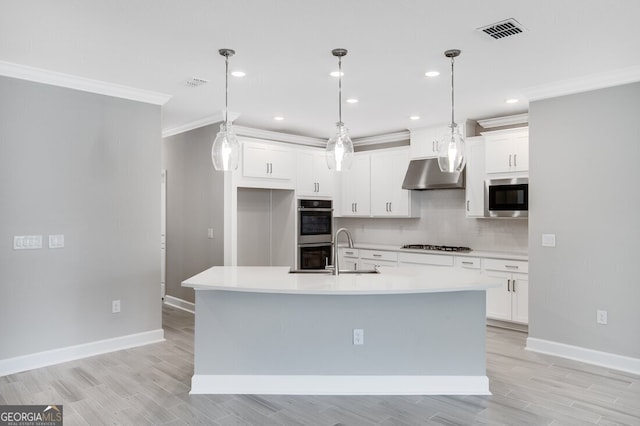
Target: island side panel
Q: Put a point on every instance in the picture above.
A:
(243, 333)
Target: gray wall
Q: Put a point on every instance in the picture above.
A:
(442, 221)
(86, 166)
(584, 179)
(195, 202)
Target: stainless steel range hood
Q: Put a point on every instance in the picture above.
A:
(425, 174)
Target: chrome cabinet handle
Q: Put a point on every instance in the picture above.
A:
(511, 266)
(467, 263)
(267, 167)
(513, 285)
(356, 205)
(515, 157)
(377, 255)
(509, 160)
(390, 209)
(467, 205)
(508, 285)
(318, 183)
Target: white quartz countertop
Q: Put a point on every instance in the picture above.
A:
(473, 253)
(390, 280)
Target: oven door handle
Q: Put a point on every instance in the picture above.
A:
(311, 209)
(315, 245)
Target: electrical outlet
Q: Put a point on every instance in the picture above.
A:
(548, 240)
(601, 317)
(358, 336)
(115, 306)
(210, 233)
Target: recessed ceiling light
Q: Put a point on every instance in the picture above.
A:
(336, 74)
(238, 73)
(511, 101)
(352, 101)
(432, 73)
(414, 117)
(278, 118)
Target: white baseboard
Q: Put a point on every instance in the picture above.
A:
(180, 304)
(589, 356)
(339, 385)
(70, 353)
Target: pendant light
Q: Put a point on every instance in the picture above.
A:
(225, 151)
(339, 153)
(451, 146)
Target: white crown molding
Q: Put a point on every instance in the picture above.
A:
(180, 304)
(339, 385)
(38, 75)
(510, 120)
(589, 356)
(380, 139)
(70, 353)
(583, 84)
(250, 132)
(217, 117)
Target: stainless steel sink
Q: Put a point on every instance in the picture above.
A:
(330, 272)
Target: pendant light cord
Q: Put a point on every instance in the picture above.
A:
(226, 90)
(340, 90)
(452, 99)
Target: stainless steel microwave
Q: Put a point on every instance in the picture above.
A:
(506, 197)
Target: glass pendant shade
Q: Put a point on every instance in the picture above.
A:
(451, 151)
(225, 152)
(339, 152)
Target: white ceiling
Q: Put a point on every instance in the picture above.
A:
(285, 46)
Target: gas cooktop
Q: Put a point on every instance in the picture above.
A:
(436, 247)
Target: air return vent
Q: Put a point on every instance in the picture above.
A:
(503, 29)
(195, 82)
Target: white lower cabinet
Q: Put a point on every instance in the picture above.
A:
(370, 259)
(510, 301)
(348, 258)
(425, 261)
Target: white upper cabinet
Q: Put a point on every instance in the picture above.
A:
(475, 174)
(424, 141)
(387, 174)
(356, 186)
(507, 150)
(267, 161)
(313, 177)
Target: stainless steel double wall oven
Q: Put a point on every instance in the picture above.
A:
(315, 233)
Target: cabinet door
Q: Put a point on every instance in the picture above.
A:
(305, 182)
(520, 298)
(498, 153)
(474, 191)
(499, 299)
(356, 187)
(323, 177)
(387, 174)
(255, 160)
(521, 152)
(281, 161)
(369, 264)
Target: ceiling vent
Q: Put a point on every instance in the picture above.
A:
(507, 28)
(195, 82)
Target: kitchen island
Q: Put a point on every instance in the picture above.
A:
(262, 330)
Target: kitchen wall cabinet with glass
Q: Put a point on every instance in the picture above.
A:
(313, 177)
(507, 150)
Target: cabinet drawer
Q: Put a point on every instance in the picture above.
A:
(348, 252)
(468, 262)
(379, 255)
(426, 259)
(506, 265)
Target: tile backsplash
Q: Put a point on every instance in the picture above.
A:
(442, 221)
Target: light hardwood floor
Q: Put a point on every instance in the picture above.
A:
(150, 385)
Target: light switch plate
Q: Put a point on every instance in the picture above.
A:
(548, 240)
(27, 242)
(56, 241)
